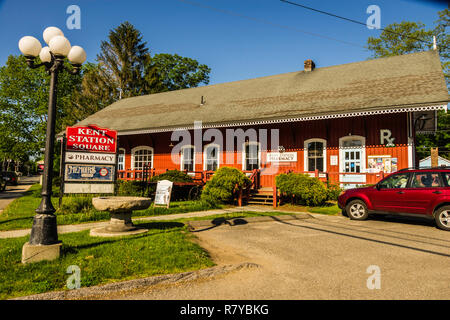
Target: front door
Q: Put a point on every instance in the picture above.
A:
(352, 161)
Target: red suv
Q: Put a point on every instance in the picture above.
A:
(415, 192)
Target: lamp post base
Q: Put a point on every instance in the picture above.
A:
(44, 230)
(40, 252)
(43, 244)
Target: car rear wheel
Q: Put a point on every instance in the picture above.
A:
(357, 210)
(442, 218)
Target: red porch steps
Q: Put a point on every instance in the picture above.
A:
(262, 197)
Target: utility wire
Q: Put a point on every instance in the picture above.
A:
(193, 3)
(358, 22)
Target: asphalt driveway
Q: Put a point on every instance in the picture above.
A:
(13, 192)
(325, 257)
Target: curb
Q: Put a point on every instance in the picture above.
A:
(102, 290)
(195, 226)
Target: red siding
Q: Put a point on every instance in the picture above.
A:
(292, 137)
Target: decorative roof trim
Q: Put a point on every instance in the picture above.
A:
(284, 120)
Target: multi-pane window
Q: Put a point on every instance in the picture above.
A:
(315, 156)
(353, 159)
(251, 157)
(121, 159)
(142, 156)
(187, 158)
(211, 158)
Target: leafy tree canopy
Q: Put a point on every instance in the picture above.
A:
(126, 68)
(408, 37)
(24, 104)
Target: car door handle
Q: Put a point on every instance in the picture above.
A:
(401, 192)
(437, 192)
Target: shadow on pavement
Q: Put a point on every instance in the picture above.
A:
(363, 238)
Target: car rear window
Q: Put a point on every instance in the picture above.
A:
(426, 180)
(447, 178)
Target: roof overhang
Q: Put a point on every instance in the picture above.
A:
(254, 122)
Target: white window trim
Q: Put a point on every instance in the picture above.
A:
(141, 148)
(205, 154)
(305, 153)
(244, 154)
(342, 149)
(181, 156)
(118, 157)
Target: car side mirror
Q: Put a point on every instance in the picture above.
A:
(378, 186)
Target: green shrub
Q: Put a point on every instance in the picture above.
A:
(144, 189)
(56, 180)
(174, 176)
(76, 204)
(178, 192)
(223, 186)
(130, 188)
(302, 189)
(333, 190)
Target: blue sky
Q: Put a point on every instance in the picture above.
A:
(234, 47)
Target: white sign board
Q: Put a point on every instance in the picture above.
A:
(90, 157)
(333, 160)
(163, 192)
(282, 157)
(88, 188)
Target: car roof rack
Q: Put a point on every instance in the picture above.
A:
(426, 168)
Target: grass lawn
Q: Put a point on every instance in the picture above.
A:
(166, 248)
(330, 208)
(234, 215)
(19, 214)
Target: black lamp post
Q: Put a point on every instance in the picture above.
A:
(44, 230)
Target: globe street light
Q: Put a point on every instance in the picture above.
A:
(44, 244)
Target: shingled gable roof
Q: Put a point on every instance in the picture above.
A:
(380, 84)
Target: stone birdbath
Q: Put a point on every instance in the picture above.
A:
(120, 209)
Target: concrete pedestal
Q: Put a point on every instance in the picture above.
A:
(119, 225)
(121, 209)
(40, 252)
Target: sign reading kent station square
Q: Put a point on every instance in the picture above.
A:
(91, 138)
(90, 160)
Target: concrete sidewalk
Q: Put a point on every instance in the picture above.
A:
(85, 226)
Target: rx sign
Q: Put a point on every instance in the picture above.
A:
(385, 137)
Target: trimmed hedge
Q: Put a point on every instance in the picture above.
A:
(306, 190)
(224, 184)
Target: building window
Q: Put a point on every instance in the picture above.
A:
(121, 159)
(141, 156)
(315, 155)
(211, 157)
(252, 156)
(188, 158)
(353, 155)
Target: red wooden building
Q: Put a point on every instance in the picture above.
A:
(348, 123)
